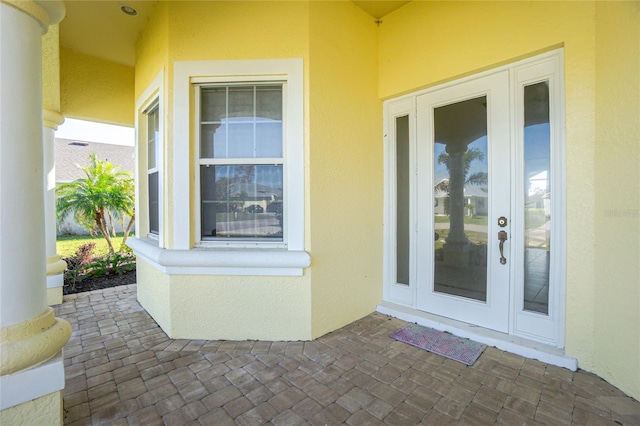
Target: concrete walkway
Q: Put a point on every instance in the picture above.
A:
(122, 369)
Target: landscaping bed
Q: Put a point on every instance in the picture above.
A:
(99, 283)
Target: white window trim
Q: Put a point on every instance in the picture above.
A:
(154, 94)
(221, 261)
(183, 258)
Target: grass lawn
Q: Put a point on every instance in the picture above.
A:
(66, 245)
(476, 220)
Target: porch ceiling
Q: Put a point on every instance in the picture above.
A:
(99, 28)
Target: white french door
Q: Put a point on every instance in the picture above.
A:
(463, 170)
(475, 205)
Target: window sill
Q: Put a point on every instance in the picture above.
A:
(201, 261)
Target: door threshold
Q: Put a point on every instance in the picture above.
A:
(514, 344)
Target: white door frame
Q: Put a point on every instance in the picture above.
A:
(550, 330)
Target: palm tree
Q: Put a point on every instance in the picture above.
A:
(469, 156)
(102, 192)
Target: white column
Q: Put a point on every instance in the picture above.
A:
(55, 266)
(31, 338)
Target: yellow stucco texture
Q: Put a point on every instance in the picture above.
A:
(218, 30)
(461, 38)
(51, 68)
(96, 90)
(617, 190)
(31, 342)
(240, 308)
(224, 307)
(154, 293)
(152, 48)
(54, 296)
(345, 166)
(43, 411)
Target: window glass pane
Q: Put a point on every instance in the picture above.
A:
(461, 177)
(537, 197)
(253, 127)
(269, 103)
(154, 222)
(241, 106)
(240, 140)
(269, 140)
(213, 141)
(402, 200)
(241, 201)
(213, 101)
(152, 137)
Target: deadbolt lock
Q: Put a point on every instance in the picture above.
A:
(502, 221)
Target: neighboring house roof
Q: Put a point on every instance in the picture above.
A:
(469, 190)
(71, 155)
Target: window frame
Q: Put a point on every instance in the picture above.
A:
(236, 242)
(152, 97)
(184, 257)
(153, 107)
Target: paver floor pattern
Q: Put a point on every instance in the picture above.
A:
(122, 369)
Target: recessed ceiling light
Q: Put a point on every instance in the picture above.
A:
(128, 10)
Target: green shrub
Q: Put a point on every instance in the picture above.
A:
(77, 264)
(84, 264)
(112, 264)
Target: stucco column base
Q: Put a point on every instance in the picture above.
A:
(55, 296)
(45, 410)
(55, 265)
(55, 279)
(32, 342)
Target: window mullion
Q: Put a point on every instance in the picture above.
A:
(241, 161)
(225, 121)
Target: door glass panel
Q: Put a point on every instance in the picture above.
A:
(461, 199)
(537, 197)
(402, 200)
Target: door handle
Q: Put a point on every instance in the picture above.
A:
(502, 237)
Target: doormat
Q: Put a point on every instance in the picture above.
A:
(446, 344)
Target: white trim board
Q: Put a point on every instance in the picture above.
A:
(221, 261)
(33, 383)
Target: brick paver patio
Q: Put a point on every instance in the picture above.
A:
(122, 369)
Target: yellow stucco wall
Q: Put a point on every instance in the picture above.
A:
(43, 411)
(425, 43)
(96, 90)
(51, 68)
(152, 57)
(240, 308)
(616, 347)
(345, 165)
(154, 293)
(215, 306)
(152, 48)
(343, 149)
